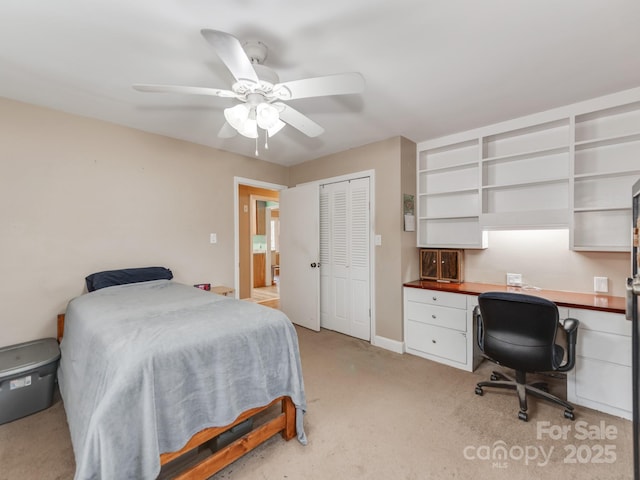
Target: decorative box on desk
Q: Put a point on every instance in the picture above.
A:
(441, 265)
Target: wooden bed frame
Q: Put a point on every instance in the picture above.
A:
(284, 423)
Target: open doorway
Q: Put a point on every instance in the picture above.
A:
(257, 245)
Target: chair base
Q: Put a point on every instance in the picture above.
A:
(540, 390)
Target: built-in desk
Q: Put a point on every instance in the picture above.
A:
(589, 301)
(439, 326)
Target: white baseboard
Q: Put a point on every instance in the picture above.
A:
(388, 344)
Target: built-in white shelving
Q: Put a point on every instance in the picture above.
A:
(449, 195)
(606, 165)
(571, 167)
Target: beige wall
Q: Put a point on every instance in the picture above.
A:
(79, 195)
(385, 158)
(544, 260)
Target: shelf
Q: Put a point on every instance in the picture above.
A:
(528, 155)
(461, 204)
(602, 230)
(601, 209)
(601, 192)
(463, 232)
(614, 122)
(450, 192)
(524, 141)
(459, 166)
(568, 168)
(449, 217)
(609, 141)
(547, 181)
(611, 174)
(448, 180)
(551, 218)
(600, 248)
(461, 153)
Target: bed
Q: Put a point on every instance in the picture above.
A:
(151, 369)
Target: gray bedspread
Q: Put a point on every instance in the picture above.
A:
(146, 366)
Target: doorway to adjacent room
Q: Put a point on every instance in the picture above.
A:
(257, 245)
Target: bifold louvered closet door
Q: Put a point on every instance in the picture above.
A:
(345, 258)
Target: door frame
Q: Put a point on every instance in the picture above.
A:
(371, 174)
(237, 181)
(253, 212)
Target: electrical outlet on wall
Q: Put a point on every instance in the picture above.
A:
(514, 279)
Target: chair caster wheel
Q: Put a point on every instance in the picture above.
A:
(494, 377)
(479, 391)
(523, 416)
(569, 414)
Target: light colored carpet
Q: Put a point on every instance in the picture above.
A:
(373, 414)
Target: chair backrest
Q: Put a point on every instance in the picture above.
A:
(519, 331)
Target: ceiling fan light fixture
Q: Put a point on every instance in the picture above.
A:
(249, 128)
(267, 116)
(237, 116)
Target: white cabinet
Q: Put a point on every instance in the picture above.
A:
(571, 167)
(606, 165)
(439, 326)
(602, 377)
(449, 196)
(525, 177)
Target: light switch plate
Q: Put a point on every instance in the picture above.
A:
(601, 284)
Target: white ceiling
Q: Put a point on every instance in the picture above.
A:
(432, 67)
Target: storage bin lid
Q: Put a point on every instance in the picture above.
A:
(23, 357)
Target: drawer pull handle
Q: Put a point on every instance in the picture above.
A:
(433, 316)
(435, 299)
(433, 341)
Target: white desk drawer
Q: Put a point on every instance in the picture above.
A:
(606, 347)
(607, 384)
(433, 297)
(452, 318)
(438, 341)
(439, 316)
(601, 321)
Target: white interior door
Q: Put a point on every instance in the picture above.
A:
(300, 255)
(344, 255)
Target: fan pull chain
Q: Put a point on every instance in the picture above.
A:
(257, 154)
(266, 139)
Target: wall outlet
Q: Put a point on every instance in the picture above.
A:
(514, 279)
(601, 284)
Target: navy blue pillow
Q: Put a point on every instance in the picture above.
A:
(109, 278)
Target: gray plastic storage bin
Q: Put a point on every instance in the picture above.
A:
(27, 377)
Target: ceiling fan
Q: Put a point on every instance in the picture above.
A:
(260, 95)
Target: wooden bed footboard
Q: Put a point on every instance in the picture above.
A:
(60, 327)
(284, 423)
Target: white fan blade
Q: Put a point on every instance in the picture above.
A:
(227, 131)
(232, 54)
(339, 84)
(299, 121)
(217, 92)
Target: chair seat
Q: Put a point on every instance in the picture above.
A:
(518, 331)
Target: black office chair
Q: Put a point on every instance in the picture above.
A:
(518, 331)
